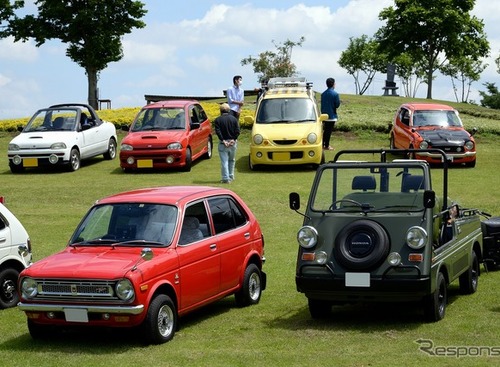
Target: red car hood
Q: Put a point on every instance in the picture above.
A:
(153, 139)
(87, 262)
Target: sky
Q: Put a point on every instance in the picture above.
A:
(195, 47)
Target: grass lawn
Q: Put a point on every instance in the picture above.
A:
(279, 330)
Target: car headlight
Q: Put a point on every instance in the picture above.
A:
(424, 145)
(13, 147)
(416, 237)
(124, 290)
(468, 145)
(29, 288)
(307, 237)
(257, 139)
(174, 146)
(312, 138)
(59, 145)
(126, 147)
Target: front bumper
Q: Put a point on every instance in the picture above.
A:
(41, 307)
(453, 157)
(275, 155)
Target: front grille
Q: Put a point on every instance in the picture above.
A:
(76, 290)
(285, 142)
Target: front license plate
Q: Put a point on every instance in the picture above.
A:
(30, 162)
(357, 279)
(145, 163)
(281, 156)
(76, 315)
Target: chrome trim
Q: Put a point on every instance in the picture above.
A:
(132, 310)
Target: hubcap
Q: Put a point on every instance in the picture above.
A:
(165, 321)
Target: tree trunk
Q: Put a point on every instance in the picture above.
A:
(429, 83)
(92, 88)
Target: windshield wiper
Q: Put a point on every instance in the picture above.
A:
(140, 242)
(96, 241)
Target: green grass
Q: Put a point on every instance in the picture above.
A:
(279, 330)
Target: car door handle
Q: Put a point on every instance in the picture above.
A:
(213, 247)
(247, 235)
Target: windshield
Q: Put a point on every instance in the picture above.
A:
(436, 118)
(160, 119)
(53, 120)
(371, 188)
(134, 224)
(279, 110)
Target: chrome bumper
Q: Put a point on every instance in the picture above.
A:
(129, 310)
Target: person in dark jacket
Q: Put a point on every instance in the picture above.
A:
(330, 101)
(227, 129)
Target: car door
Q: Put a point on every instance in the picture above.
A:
(94, 137)
(197, 135)
(5, 238)
(402, 129)
(199, 260)
(232, 231)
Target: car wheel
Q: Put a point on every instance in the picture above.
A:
(16, 169)
(252, 166)
(189, 161)
(391, 142)
(469, 280)
(251, 289)
(412, 154)
(361, 245)
(160, 323)
(111, 152)
(74, 160)
(435, 304)
(38, 331)
(208, 154)
(8, 288)
(471, 164)
(319, 309)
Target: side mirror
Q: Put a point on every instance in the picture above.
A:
(429, 199)
(294, 200)
(195, 125)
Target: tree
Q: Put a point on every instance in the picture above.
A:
(361, 56)
(7, 14)
(411, 73)
(430, 30)
(274, 64)
(91, 28)
(491, 98)
(464, 71)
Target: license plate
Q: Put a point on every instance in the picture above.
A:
(145, 163)
(30, 162)
(281, 156)
(76, 315)
(357, 279)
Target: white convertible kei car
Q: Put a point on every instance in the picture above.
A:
(63, 134)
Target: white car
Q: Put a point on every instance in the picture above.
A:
(63, 134)
(15, 255)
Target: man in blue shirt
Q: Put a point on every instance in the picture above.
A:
(330, 101)
(235, 96)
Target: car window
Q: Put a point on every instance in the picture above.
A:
(226, 214)
(404, 116)
(53, 120)
(195, 224)
(279, 110)
(2, 223)
(159, 119)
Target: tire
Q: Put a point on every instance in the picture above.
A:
(391, 142)
(8, 288)
(74, 160)
(188, 163)
(375, 248)
(160, 323)
(471, 164)
(319, 309)
(252, 167)
(16, 169)
(38, 331)
(111, 152)
(435, 304)
(469, 280)
(251, 289)
(210, 147)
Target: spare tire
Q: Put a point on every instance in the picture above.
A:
(362, 245)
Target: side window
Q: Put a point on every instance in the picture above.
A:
(2, 223)
(193, 114)
(226, 214)
(405, 117)
(195, 224)
(202, 116)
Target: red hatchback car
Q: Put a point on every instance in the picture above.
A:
(167, 134)
(142, 258)
(427, 125)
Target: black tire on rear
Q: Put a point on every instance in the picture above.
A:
(469, 280)
(208, 154)
(251, 289)
(160, 323)
(111, 152)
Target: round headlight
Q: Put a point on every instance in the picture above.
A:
(174, 146)
(307, 237)
(29, 287)
(321, 257)
(126, 147)
(258, 139)
(311, 138)
(394, 259)
(124, 290)
(424, 145)
(469, 145)
(13, 147)
(59, 145)
(416, 237)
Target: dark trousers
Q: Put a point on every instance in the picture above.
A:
(327, 132)
(235, 114)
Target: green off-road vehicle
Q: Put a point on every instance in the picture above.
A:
(377, 231)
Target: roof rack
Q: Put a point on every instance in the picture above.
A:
(287, 82)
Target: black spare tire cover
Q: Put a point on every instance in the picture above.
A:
(361, 245)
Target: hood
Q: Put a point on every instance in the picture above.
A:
(87, 262)
(153, 139)
(286, 131)
(445, 136)
(41, 140)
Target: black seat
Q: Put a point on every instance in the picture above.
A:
(364, 183)
(412, 183)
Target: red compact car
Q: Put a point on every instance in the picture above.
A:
(167, 134)
(427, 125)
(142, 258)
